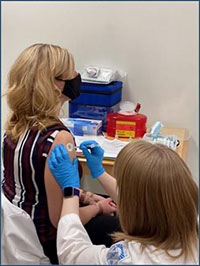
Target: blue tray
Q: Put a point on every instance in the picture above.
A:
(100, 95)
(92, 112)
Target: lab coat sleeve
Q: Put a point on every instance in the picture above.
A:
(74, 245)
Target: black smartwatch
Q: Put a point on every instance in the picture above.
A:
(71, 191)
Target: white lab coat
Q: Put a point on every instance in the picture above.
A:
(20, 243)
(75, 247)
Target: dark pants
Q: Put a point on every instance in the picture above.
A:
(50, 251)
(98, 228)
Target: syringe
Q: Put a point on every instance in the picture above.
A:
(71, 146)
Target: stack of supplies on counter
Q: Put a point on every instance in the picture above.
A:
(100, 94)
(155, 136)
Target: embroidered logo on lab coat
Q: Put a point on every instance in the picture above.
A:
(116, 253)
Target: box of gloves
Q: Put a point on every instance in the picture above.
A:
(81, 127)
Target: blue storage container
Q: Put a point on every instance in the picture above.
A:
(91, 112)
(100, 94)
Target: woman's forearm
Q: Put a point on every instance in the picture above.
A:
(109, 184)
(70, 205)
(86, 213)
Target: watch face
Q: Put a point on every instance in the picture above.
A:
(70, 191)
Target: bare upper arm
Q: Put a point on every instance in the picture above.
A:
(53, 191)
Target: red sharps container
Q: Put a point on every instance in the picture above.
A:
(126, 124)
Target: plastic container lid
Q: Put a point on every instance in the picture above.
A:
(127, 108)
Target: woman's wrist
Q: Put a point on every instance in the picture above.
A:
(82, 195)
(70, 205)
(99, 208)
(86, 197)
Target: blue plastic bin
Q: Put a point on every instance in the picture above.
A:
(99, 94)
(91, 112)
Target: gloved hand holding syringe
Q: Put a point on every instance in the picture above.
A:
(70, 146)
(94, 161)
(93, 154)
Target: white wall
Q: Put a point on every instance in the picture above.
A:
(156, 43)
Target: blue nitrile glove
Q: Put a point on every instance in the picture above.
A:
(65, 172)
(94, 155)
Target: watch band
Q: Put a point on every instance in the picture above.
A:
(70, 191)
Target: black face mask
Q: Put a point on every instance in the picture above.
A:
(72, 87)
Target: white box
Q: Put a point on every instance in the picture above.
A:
(81, 127)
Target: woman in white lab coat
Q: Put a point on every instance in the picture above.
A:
(157, 205)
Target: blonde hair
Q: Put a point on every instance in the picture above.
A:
(32, 95)
(157, 198)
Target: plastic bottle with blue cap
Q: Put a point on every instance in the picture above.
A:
(156, 129)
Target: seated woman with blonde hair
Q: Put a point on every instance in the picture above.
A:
(157, 205)
(42, 78)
